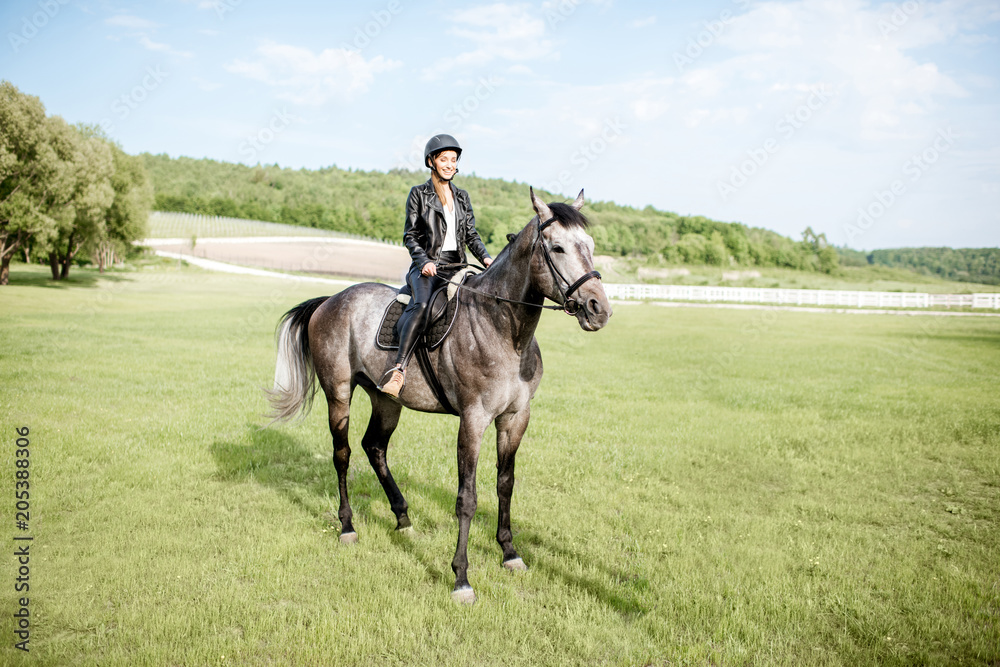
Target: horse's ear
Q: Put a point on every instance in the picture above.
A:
(578, 204)
(543, 211)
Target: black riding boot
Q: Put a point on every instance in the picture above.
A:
(414, 319)
(411, 326)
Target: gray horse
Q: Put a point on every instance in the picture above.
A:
(488, 367)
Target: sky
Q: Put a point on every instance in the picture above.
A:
(873, 123)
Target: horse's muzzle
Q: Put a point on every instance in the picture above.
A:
(592, 310)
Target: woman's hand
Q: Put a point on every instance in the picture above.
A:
(429, 269)
(487, 262)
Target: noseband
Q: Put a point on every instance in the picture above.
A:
(569, 305)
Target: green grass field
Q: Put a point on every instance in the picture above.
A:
(697, 486)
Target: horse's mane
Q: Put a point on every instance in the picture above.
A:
(564, 213)
(568, 216)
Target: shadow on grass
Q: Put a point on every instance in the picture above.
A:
(35, 277)
(279, 461)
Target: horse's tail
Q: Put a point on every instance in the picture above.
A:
(294, 373)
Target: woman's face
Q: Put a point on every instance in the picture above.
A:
(446, 164)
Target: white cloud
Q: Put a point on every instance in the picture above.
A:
(304, 77)
(499, 31)
(160, 47)
(141, 25)
(642, 23)
(129, 21)
(205, 84)
(648, 98)
(768, 55)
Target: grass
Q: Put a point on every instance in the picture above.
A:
(697, 486)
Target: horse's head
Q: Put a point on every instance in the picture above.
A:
(562, 265)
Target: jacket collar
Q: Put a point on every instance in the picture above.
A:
(432, 199)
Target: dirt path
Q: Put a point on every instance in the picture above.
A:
(320, 255)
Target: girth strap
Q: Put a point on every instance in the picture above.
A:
(432, 381)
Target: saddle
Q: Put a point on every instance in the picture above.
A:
(443, 308)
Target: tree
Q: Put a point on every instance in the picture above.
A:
(89, 166)
(816, 245)
(691, 247)
(127, 218)
(715, 250)
(27, 167)
(737, 244)
(64, 189)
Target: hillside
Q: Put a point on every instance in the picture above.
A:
(967, 265)
(372, 204)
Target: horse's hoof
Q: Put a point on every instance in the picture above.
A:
(349, 538)
(515, 565)
(408, 530)
(464, 595)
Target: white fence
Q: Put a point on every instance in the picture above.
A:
(802, 297)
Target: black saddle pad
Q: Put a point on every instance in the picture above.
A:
(434, 335)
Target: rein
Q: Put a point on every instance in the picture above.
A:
(570, 306)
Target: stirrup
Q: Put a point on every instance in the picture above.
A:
(395, 383)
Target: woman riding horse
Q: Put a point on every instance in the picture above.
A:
(439, 225)
(489, 367)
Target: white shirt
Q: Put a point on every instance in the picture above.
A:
(450, 239)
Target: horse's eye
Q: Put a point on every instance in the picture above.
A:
(557, 248)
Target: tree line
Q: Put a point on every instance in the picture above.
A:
(974, 265)
(66, 191)
(372, 203)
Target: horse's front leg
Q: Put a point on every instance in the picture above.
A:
(470, 437)
(510, 430)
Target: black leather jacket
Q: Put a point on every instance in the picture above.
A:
(423, 232)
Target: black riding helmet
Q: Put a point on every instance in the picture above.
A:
(438, 143)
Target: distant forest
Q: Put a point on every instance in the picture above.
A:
(974, 265)
(371, 203)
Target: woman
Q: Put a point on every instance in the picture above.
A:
(439, 225)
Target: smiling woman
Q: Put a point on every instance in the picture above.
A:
(439, 225)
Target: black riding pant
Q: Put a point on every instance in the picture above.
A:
(414, 318)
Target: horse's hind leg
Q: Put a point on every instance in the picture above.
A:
(510, 430)
(339, 400)
(385, 417)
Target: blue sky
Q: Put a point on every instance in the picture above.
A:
(875, 123)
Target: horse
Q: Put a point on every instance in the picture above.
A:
(488, 367)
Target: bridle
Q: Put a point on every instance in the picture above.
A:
(570, 306)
